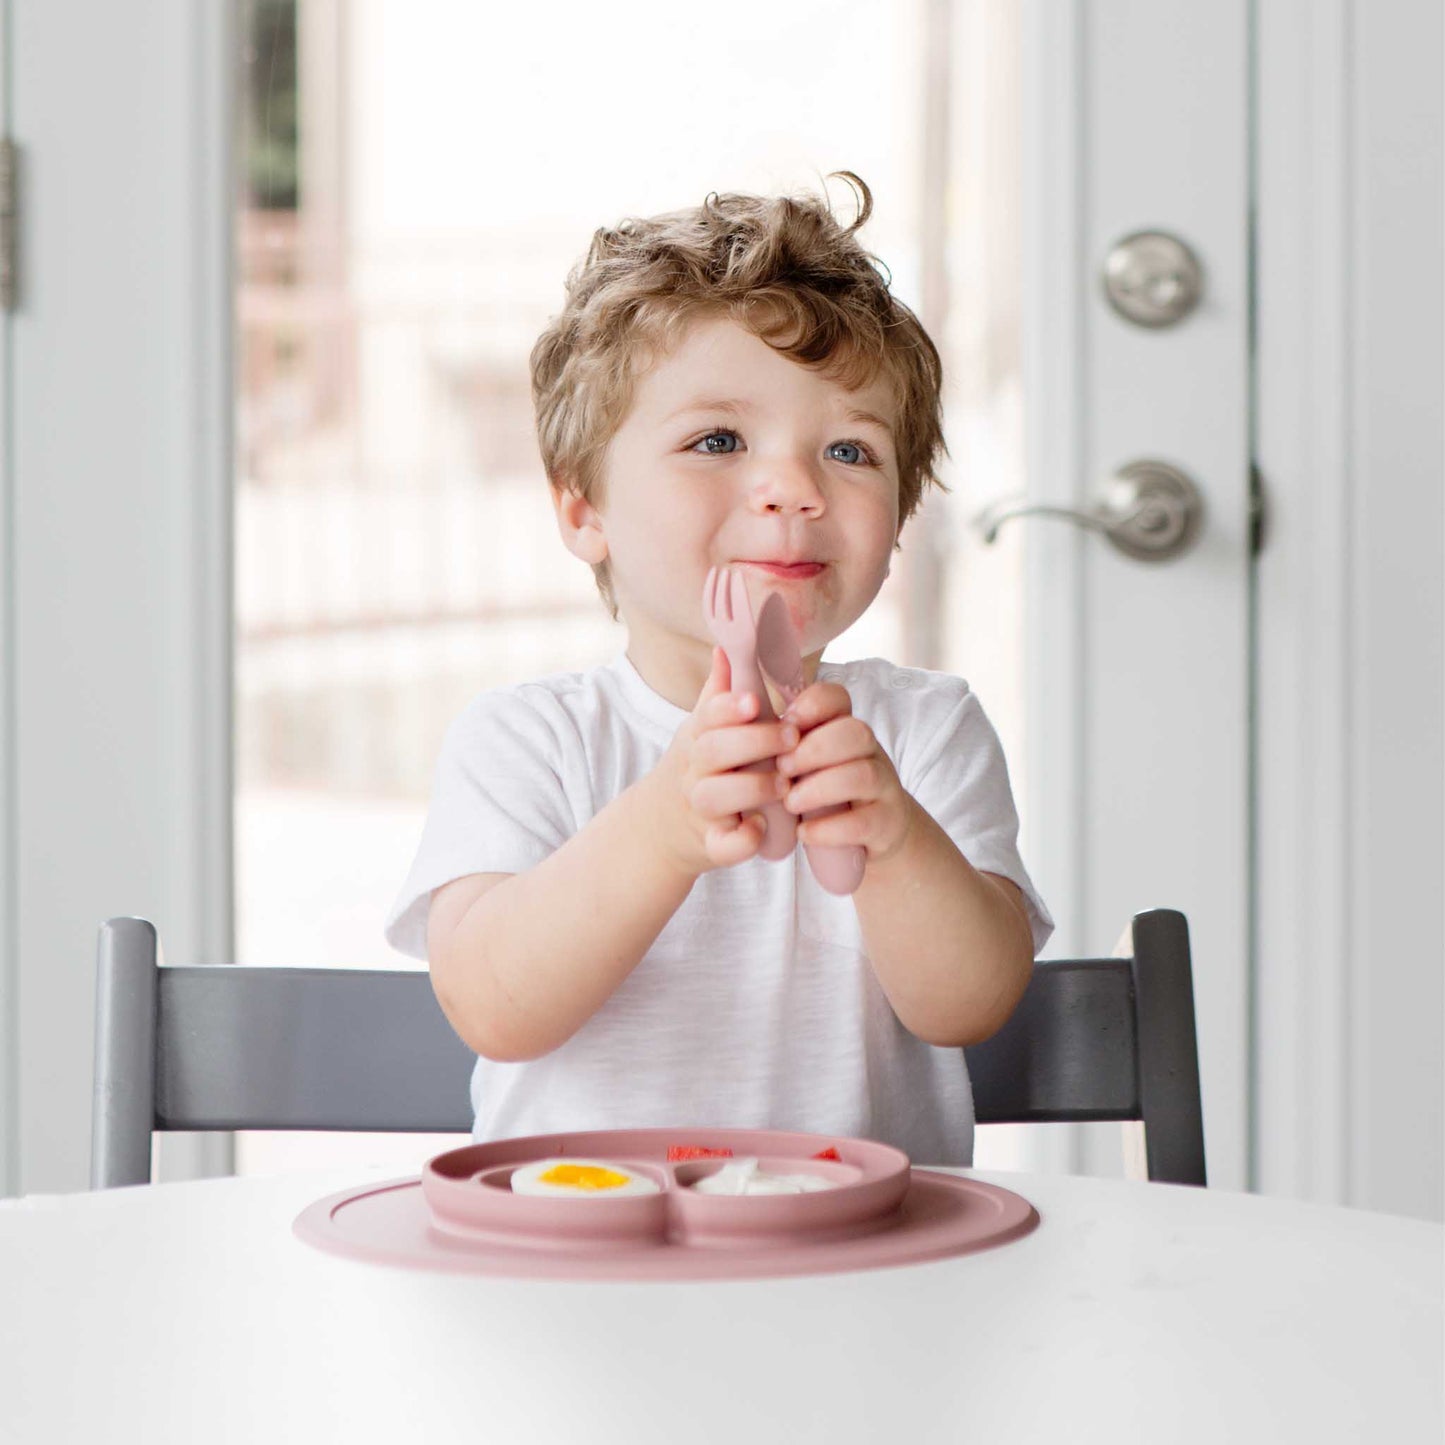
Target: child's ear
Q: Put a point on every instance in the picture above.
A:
(580, 524)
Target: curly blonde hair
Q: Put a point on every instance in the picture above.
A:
(784, 268)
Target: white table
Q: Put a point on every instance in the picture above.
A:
(188, 1312)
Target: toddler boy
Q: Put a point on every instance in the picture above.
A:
(732, 385)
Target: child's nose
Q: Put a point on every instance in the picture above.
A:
(787, 486)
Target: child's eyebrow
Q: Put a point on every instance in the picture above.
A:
(737, 408)
(867, 416)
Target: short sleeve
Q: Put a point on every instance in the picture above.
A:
(499, 805)
(961, 778)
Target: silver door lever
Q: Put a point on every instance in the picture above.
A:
(1150, 511)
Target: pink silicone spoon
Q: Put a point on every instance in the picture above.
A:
(838, 869)
(729, 617)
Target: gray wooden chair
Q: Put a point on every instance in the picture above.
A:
(1106, 1038)
(226, 1047)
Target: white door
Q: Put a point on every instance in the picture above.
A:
(1120, 686)
(1139, 683)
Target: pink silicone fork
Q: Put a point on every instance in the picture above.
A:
(729, 618)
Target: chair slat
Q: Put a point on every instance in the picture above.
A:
(1068, 1052)
(307, 1048)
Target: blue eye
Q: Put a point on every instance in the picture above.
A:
(854, 452)
(718, 443)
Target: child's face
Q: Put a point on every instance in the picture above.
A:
(734, 455)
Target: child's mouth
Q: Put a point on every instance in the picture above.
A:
(792, 570)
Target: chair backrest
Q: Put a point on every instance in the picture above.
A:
(1106, 1038)
(230, 1047)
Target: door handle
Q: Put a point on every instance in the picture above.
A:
(1149, 510)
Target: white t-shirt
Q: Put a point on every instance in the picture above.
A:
(756, 1006)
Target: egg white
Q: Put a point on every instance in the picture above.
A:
(528, 1180)
(742, 1177)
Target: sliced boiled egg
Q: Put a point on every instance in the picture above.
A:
(580, 1178)
(742, 1177)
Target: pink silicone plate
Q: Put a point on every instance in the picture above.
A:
(461, 1214)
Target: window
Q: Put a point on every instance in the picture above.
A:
(413, 184)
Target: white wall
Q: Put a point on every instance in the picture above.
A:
(1350, 943)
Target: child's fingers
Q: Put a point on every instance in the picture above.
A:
(717, 705)
(728, 709)
(719, 750)
(735, 840)
(855, 782)
(719, 680)
(819, 702)
(830, 745)
(725, 795)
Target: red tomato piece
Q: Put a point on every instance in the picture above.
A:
(678, 1152)
(829, 1153)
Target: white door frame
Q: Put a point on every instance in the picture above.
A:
(1350, 445)
(116, 653)
(9, 952)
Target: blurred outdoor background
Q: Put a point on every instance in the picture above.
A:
(403, 227)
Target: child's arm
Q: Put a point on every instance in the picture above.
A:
(520, 962)
(951, 946)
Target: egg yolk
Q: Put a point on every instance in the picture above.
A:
(583, 1176)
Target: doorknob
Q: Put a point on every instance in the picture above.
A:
(1153, 279)
(1149, 510)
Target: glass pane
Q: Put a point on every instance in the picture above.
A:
(414, 183)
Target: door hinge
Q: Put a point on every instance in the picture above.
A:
(9, 225)
(1256, 511)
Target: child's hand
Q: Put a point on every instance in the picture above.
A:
(710, 805)
(840, 761)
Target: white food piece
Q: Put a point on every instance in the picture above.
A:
(616, 1180)
(742, 1176)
